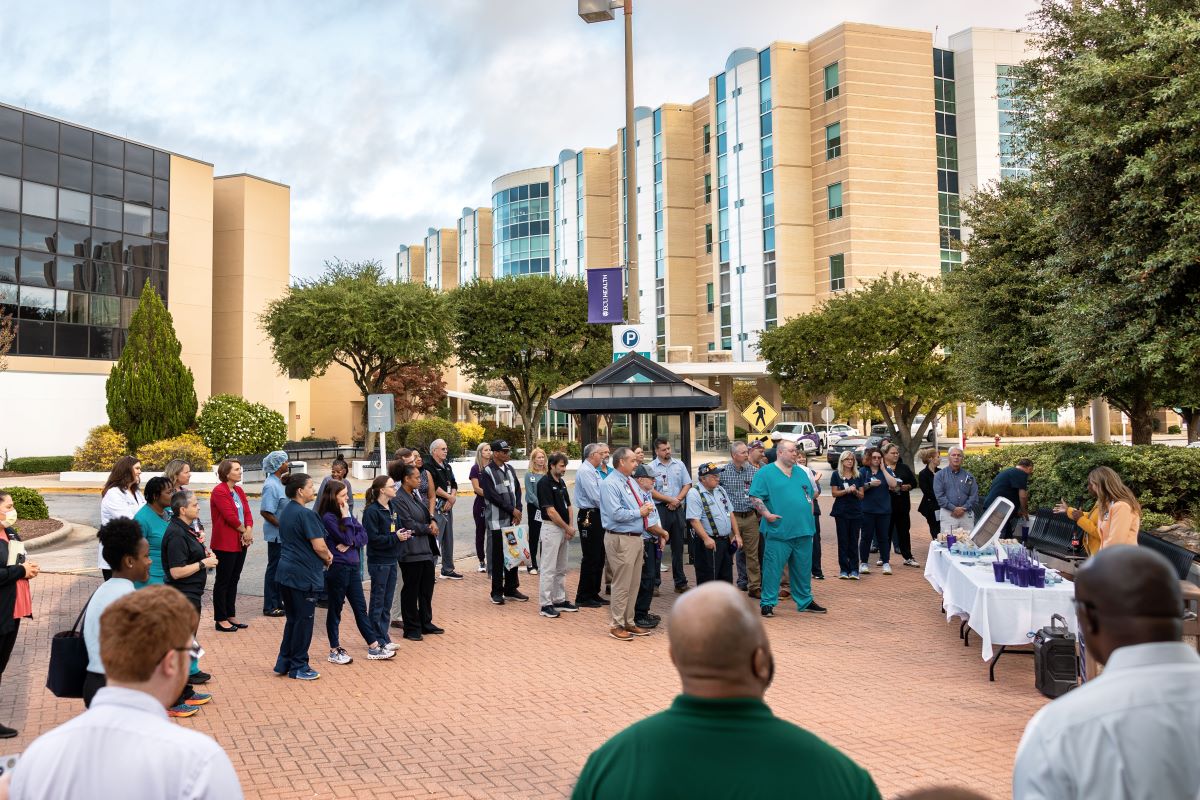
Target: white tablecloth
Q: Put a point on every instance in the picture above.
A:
(1000, 613)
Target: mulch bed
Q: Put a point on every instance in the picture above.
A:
(33, 528)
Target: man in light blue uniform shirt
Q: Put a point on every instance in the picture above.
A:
(671, 484)
(275, 467)
(590, 527)
(710, 515)
(626, 517)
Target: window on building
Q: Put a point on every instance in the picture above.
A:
(837, 272)
(833, 141)
(834, 191)
(1033, 416)
(708, 188)
(707, 138)
(708, 294)
(831, 81)
(708, 240)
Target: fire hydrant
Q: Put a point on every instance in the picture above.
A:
(997, 440)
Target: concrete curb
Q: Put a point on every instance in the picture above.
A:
(50, 539)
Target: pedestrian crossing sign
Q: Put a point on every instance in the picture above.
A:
(765, 438)
(759, 414)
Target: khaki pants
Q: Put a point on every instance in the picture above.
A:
(748, 528)
(625, 554)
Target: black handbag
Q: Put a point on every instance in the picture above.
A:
(68, 660)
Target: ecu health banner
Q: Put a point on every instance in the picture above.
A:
(605, 301)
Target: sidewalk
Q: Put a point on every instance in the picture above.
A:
(509, 705)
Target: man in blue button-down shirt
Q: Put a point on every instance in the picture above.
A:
(671, 484)
(625, 517)
(591, 529)
(957, 493)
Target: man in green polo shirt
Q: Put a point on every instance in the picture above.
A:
(783, 494)
(724, 660)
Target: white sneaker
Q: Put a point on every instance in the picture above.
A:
(911, 562)
(863, 569)
(879, 563)
(482, 567)
(887, 569)
(340, 656)
(533, 571)
(662, 567)
(391, 647)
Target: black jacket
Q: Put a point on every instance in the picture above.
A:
(415, 516)
(928, 504)
(8, 585)
(900, 500)
(381, 524)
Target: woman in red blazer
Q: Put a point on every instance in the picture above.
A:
(232, 533)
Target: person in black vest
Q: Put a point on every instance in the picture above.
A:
(445, 489)
(416, 554)
(502, 508)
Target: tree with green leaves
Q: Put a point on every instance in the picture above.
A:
(352, 316)
(1110, 131)
(481, 410)
(151, 393)
(883, 345)
(532, 334)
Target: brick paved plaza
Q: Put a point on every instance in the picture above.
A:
(508, 705)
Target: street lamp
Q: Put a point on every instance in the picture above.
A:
(602, 11)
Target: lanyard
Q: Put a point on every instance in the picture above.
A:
(638, 500)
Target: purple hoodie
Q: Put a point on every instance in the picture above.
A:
(354, 535)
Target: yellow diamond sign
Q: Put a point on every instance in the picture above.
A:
(759, 414)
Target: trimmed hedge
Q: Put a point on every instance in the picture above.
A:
(34, 465)
(188, 446)
(28, 502)
(420, 433)
(100, 450)
(232, 426)
(1165, 479)
(552, 446)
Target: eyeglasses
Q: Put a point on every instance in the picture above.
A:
(194, 650)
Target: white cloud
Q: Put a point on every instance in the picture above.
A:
(388, 118)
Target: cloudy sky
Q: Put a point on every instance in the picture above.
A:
(387, 117)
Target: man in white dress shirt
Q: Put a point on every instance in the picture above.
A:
(146, 641)
(1133, 732)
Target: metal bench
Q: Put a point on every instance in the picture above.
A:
(1052, 534)
(1180, 557)
(325, 448)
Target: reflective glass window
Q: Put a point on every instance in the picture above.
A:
(137, 220)
(10, 229)
(10, 158)
(101, 343)
(105, 310)
(138, 188)
(40, 132)
(36, 303)
(162, 165)
(106, 213)
(72, 273)
(74, 206)
(38, 234)
(39, 199)
(108, 181)
(8, 299)
(37, 269)
(8, 265)
(74, 240)
(10, 124)
(159, 229)
(162, 194)
(108, 150)
(105, 278)
(137, 251)
(75, 141)
(75, 173)
(10, 194)
(35, 338)
(139, 158)
(39, 165)
(71, 341)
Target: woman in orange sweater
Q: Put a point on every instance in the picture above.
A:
(1116, 517)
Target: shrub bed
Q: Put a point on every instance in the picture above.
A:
(231, 426)
(100, 450)
(33, 465)
(189, 447)
(28, 502)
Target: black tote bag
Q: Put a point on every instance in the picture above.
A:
(68, 660)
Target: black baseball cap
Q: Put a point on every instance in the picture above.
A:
(500, 444)
(642, 472)
(711, 468)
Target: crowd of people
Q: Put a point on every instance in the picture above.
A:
(753, 524)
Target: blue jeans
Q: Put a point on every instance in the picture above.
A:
(877, 527)
(797, 555)
(383, 594)
(299, 606)
(271, 597)
(342, 584)
(847, 540)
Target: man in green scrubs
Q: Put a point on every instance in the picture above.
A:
(783, 494)
(720, 649)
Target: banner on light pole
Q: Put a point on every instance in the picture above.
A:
(606, 304)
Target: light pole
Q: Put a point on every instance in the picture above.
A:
(602, 11)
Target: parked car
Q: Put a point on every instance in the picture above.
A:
(853, 443)
(832, 433)
(804, 434)
(886, 430)
(872, 441)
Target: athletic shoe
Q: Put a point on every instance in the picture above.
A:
(452, 576)
(911, 562)
(662, 567)
(620, 634)
(549, 611)
(391, 646)
(197, 699)
(842, 576)
(819, 577)
(645, 623)
(654, 617)
(497, 600)
(274, 612)
(197, 678)
(864, 569)
(482, 567)
(340, 657)
(518, 596)
(182, 710)
(431, 628)
(879, 563)
(533, 571)
(567, 605)
(887, 569)
(306, 674)
(602, 601)
(854, 576)
(767, 611)
(813, 608)
(379, 653)
(589, 604)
